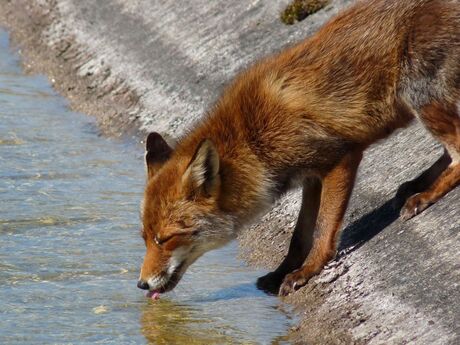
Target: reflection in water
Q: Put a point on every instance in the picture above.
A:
(236, 318)
(70, 248)
(164, 322)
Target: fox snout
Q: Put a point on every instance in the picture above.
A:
(161, 269)
(162, 282)
(142, 284)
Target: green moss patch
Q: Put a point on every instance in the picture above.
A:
(298, 10)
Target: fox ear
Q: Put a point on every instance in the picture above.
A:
(157, 152)
(202, 175)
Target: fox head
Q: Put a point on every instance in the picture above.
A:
(181, 217)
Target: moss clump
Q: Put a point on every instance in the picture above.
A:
(300, 9)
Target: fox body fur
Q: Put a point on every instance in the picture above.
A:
(305, 115)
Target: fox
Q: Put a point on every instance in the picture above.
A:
(303, 117)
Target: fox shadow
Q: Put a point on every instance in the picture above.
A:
(357, 233)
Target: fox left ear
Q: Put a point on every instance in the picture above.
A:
(202, 175)
(157, 153)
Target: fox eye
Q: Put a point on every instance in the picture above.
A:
(158, 241)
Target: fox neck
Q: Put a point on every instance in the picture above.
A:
(246, 189)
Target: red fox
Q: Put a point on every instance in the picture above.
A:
(305, 116)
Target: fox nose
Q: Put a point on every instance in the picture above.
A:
(141, 284)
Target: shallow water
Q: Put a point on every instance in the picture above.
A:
(70, 247)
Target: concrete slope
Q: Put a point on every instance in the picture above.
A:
(158, 65)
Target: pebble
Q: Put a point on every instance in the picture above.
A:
(102, 309)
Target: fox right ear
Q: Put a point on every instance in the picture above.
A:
(157, 153)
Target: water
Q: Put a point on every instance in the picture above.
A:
(70, 247)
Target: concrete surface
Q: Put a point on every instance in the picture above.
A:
(157, 65)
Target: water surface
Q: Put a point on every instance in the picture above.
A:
(70, 247)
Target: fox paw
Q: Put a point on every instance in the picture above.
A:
(292, 282)
(414, 205)
(270, 283)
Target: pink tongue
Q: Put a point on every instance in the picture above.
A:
(153, 295)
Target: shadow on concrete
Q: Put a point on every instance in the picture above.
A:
(368, 226)
(362, 230)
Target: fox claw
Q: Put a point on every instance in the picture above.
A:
(414, 206)
(292, 282)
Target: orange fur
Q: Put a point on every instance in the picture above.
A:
(305, 114)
